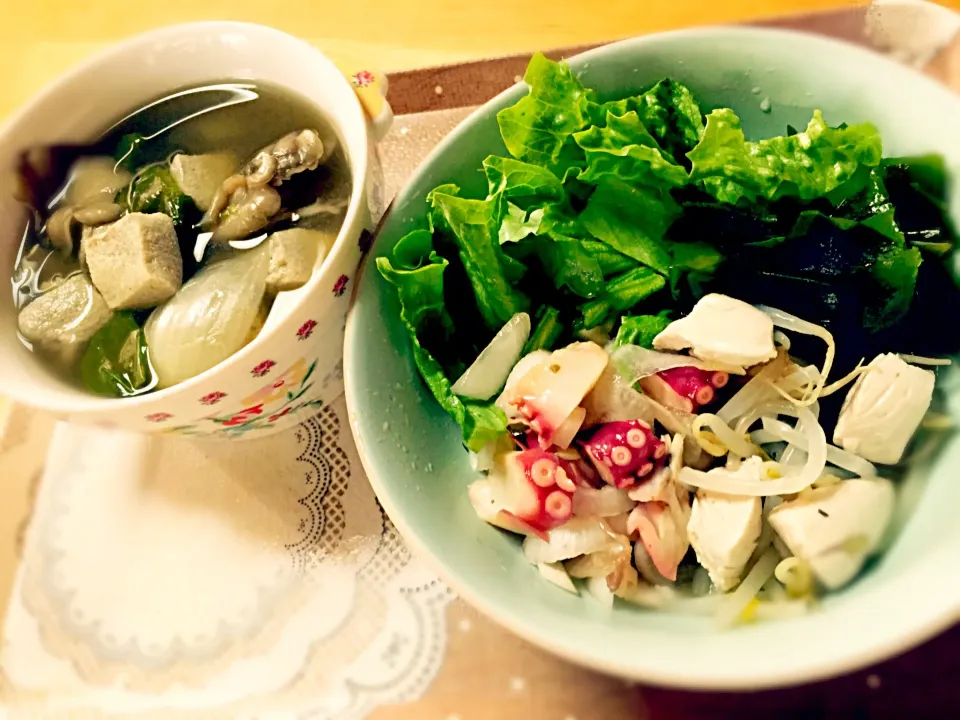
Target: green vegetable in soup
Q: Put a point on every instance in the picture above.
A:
(154, 190)
(116, 362)
(129, 153)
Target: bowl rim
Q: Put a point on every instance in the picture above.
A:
(112, 53)
(941, 610)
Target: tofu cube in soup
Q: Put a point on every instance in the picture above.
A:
(135, 262)
(200, 176)
(65, 316)
(294, 253)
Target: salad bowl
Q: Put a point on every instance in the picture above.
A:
(412, 451)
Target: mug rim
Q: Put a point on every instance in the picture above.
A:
(103, 61)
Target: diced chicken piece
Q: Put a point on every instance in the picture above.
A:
(200, 176)
(65, 317)
(883, 409)
(723, 531)
(294, 254)
(721, 329)
(835, 528)
(135, 262)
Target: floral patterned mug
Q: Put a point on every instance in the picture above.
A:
(295, 364)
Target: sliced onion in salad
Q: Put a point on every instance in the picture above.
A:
(577, 536)
(756, 391)
(756, 478)
(489, 372)
(638, 362)
(603, 502)
(597, 586)
(776, 430)
(648, 571)
(602, 563)
(613, 398)
(555, 573)
(792, 323)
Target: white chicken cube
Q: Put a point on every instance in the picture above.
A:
(724, 530)
(883, 409)
(835, 528)
(724, 330)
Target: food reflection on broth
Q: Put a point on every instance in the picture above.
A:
(156, 252)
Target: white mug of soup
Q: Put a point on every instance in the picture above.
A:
(182, 218)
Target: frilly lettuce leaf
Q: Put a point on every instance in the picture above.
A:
(668, 111)
(539, 128)
(516, 180)
(641, 329)
(416, 272)
(562, 252)
(807, 165)
(621, 293)
(623, 148)
(517, 223)
(474, 226)
(632, 220)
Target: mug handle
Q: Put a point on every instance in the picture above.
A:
(371, 90)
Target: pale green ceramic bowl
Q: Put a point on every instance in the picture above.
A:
(412, 452)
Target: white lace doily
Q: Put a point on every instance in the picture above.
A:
(256, 579)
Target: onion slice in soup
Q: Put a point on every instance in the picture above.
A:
(210, 318)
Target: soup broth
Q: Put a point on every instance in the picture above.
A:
(156, 252)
